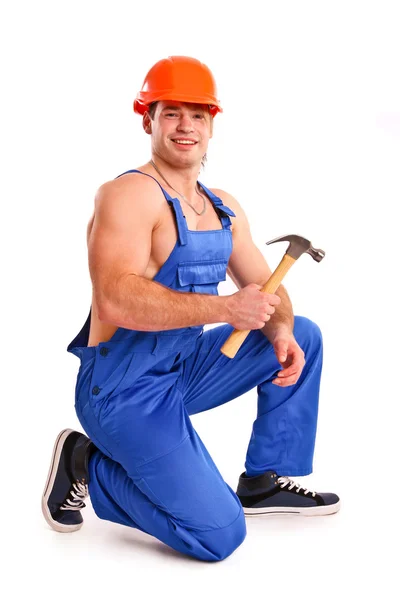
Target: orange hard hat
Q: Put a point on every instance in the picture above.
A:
(178, 78)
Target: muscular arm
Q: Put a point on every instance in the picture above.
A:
(248, 265)
(119, 250)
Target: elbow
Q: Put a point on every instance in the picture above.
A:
(104, 309)
(105, 304)
(104, 312)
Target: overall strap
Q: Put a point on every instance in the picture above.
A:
(180, 220)
(223, 211)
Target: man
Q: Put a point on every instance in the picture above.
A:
(159, 243)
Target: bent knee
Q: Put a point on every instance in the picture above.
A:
(306, 330)
(222, 542)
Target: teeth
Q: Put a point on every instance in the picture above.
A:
(184, 142)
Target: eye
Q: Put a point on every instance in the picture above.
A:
(199, 116)
(171, 114)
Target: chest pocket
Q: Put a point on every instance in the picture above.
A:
(203, 276)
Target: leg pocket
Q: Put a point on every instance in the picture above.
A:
(148, 421)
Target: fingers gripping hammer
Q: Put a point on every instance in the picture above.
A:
(297, 246)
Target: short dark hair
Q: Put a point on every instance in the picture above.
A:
(152, 109)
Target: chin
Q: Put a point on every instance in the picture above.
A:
(189, 157)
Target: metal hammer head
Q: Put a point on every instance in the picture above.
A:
(299, 245)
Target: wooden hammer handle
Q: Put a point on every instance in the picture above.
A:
(237, 337)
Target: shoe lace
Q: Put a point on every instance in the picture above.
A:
(286, 481)
(77, 493)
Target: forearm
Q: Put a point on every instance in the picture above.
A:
(144, 305)
(282, 317)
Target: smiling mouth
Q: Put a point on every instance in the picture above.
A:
(185, 142)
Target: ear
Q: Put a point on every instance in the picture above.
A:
(211, 126)
(147, 123)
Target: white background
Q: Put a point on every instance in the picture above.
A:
(309, 143)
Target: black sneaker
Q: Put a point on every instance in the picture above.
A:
(270, 494)
(67, 481)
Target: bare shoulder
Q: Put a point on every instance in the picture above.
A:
(131, 197)
(133, 191)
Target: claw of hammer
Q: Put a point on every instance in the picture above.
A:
(298, 245)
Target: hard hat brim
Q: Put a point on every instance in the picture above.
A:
(144, 99)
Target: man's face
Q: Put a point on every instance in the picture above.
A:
(180, 132)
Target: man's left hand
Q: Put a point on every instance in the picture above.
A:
(290, 356)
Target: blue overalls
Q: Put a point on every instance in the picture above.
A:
(135, 392)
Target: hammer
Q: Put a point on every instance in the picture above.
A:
(297, 246)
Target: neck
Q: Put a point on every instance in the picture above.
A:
(183, 179)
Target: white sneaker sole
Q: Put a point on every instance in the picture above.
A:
(307, 511)
(55, 460)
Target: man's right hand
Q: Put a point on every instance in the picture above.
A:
(249, 308)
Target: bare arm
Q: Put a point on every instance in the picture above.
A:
(248, 265)
(119, 250)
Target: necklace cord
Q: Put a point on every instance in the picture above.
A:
(182, 196)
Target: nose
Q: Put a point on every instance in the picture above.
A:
(185, 123)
